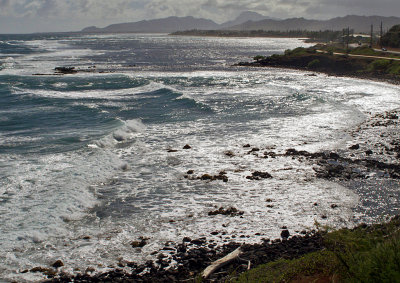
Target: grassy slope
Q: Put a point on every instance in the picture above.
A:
(363, 254)
(310, 59)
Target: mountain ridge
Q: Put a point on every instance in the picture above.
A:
(358, 23)
(249, 21)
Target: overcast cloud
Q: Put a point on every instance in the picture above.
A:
(25, 16)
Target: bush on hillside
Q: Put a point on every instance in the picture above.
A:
(392, 37)
(314, 64)
(379, 65)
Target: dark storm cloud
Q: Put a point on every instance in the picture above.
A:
(75, 14)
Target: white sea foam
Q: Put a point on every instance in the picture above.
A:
(120, 94)
(125, 134)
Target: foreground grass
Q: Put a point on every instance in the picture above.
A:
(363, 254)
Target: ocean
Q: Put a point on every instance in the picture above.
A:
(91, 161)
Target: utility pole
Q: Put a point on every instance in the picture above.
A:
(380, 39)
(347, 39)
(372, 31)
(343, 37)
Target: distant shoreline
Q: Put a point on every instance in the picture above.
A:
(334, 65)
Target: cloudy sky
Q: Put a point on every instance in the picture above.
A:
(26, 16)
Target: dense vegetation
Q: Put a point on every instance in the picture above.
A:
(363, 254)
(392, 37)
(334, 59)
(317, 36)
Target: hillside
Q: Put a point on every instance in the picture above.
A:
(244, 17)
(165, 25)
(358, 23)
(249, 21)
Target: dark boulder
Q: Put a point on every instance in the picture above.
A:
(57, 264)
(355, 146)
(258, 175)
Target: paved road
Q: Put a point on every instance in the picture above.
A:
(362, 56)
(388, 51)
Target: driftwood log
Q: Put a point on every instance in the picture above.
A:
(221, 262)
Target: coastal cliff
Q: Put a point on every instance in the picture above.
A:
(361, 62)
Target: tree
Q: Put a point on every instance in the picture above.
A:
(392, 37)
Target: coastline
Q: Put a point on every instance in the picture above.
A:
(368, 162)
(372, 157)
(340, 65)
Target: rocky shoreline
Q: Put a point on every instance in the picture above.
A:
(191, 257)
(338, 65)
(372, 159)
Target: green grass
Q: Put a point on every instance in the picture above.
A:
(365, 51)
(299, 51)
(314, 64)
(322, 263)
(385, 66)
(363, 254)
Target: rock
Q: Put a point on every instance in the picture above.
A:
(221, 176)
(90, 269)
(356, 146)
(247, 145)
(57, 264)
(198, 242)
(392, 116)
(232, 211)
(187, 147)
(206, 177)
(190, 172)
(160, 256)
(138, 244)
(334, 206)
(269, 154)
(285, 234)
(368, 152)
(334, 155)
(172, 150)
(229, 153)
(257, 175)
(46, 271)
(65, 70)
(186, 240)
(294, 152)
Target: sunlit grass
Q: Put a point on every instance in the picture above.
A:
(363, 254)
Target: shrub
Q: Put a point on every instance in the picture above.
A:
(314, 64)
(394, 68)
(311, 50)
(259, 58)
(379, 65)
(363, 51)
(392, 37)
(296, 52)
